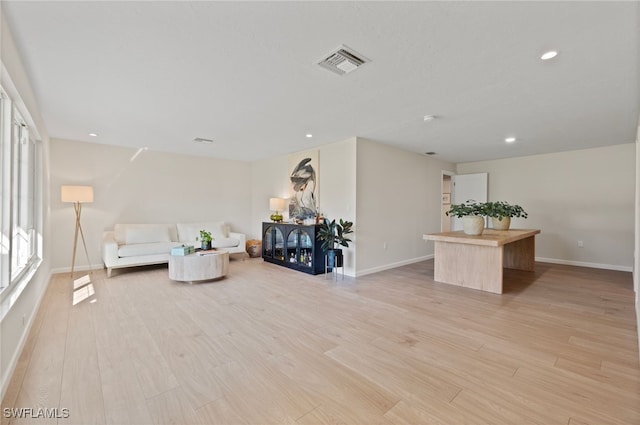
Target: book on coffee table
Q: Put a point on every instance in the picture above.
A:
(182, 250)
(207, 252)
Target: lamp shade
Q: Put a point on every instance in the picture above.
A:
(276, 204)
(76, 193)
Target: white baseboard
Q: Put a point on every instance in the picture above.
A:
(585, 264)
(541, 259)
(77, 269)
(393, 265)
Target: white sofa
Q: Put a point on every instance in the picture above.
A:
(129, 245)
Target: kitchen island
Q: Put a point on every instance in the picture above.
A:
(477, 261)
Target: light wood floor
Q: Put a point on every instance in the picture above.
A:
(267, 345)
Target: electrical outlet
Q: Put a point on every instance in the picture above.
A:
(580, 244)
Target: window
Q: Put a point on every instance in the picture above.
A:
(21, 211)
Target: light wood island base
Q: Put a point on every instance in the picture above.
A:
(476, 262)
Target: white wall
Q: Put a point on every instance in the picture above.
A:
(132, 186)
(269, 179)
(337, 189)
(585, 195)
(636, 252)
(19, 309)
(399, 199)
(338, 193)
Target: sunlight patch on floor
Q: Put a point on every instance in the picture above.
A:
(83, 289)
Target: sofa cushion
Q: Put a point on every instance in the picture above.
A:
(148, 235)
(190, 232)
(139, 249)
(225, 243)
(120, 232)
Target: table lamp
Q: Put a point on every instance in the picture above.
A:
(277, 205)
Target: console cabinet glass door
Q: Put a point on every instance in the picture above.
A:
(273, 243)
(306, 249)
(299, 248)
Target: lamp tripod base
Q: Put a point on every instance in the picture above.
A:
(78, 210)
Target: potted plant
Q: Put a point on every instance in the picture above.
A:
(501, 213)
(471, 213)
(333, 234)
(205, 239)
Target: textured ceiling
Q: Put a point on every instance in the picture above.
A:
(159, 74)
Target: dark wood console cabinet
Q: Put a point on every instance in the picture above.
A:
(294, 246)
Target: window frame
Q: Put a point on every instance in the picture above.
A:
(15, 172)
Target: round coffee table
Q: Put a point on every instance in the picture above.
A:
(198, 267)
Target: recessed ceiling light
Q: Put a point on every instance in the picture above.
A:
(93, 134)
(510, 139)
(549, 55)
(309, 135)
(428, 118)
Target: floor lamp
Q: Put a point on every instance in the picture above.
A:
(77, 195)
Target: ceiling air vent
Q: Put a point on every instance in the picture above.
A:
(343, 61)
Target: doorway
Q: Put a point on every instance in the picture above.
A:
(459, 188)
(445, 220)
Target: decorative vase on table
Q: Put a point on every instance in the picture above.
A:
(501, 223)
(501, 213)
(205, 240)
(473, 225)
(472, 215)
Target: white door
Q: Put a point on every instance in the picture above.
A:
(465, 187)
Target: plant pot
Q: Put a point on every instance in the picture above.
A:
(205, 246)
(473, 225)
(334, 258)
(499, 224)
